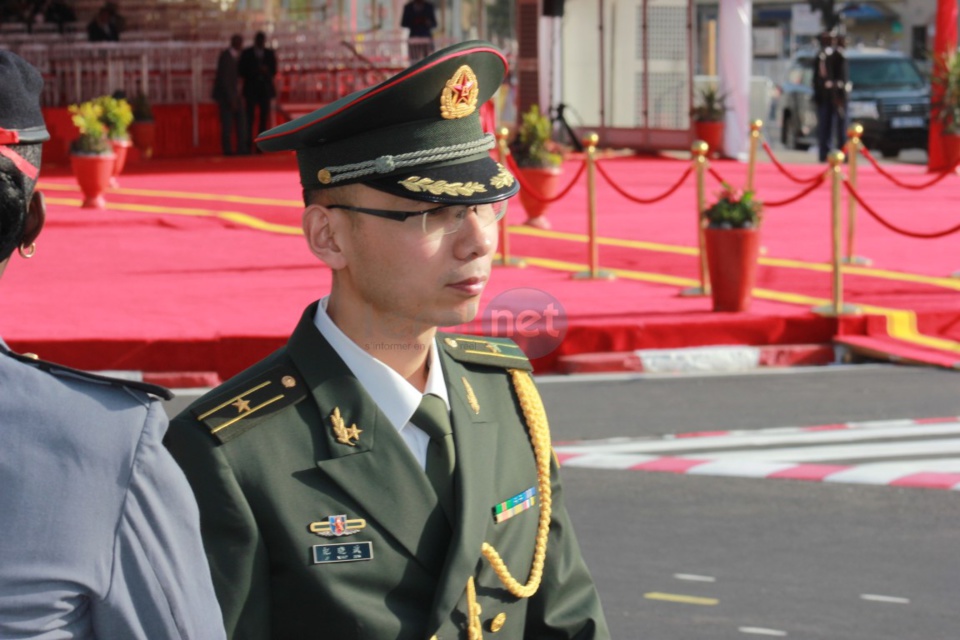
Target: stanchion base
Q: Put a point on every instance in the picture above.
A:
(694, 292)
(829, 311)
(590, 275)
(510, 262)
(858, 260)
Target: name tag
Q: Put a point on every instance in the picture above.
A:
(353, 552)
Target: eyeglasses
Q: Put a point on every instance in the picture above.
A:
(442, 220)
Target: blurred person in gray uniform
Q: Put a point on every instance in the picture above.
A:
(99, 531)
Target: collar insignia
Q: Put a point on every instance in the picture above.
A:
(459, 97)
(348, 436)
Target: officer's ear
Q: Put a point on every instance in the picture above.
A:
(36, 216)
(321, 229)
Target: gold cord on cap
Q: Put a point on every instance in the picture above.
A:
(29, 252)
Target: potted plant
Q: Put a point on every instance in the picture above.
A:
(143, 129)
(708, 117)
(116, 116)
(91, 156)
(732, 238)
(945, 104)
(538, 158)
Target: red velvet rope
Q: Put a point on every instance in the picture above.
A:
(805, 191)
(667, 193)
(515, 170)
(892, 178)
(716, 176)
(785, 171)
(853, 192)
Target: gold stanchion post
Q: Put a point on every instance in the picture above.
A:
(505, 260)
(837, 307)
(755, 127)
(699, 151)
(854, 134)
(595, 273)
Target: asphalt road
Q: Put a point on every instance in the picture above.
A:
(686, 557)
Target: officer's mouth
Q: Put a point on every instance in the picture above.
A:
(470, 286)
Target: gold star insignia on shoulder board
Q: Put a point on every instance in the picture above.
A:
(232, 414)
(344, 435)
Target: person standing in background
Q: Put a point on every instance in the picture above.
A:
(258, 67)
(101, 29)
(420, 18)
(99, 532)
(830, 93)
(226, 93)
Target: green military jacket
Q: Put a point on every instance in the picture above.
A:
(278, 450)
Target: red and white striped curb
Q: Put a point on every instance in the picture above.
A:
(723, 358)
(740, 453)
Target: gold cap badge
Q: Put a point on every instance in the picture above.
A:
(459, 97)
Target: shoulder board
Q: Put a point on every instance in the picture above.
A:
(60, 370)
(235, 412)
(495, 352)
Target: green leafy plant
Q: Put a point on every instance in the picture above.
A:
(734, 209)
(87, 117)
(711, 105)
(116, 116)
(142, 112)
(945, 98)
(534, 146)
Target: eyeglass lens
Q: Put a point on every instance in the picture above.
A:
(450, 219)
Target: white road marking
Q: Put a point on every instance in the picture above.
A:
(892, 599)
(760, 631)
(693, 577)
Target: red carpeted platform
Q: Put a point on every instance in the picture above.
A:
(198, 265)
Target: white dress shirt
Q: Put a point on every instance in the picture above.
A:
(396, 398)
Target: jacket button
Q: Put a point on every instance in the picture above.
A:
(497, 623)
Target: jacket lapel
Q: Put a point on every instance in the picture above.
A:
(475, 435)
(375, 468)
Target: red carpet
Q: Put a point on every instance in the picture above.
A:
(198, 265)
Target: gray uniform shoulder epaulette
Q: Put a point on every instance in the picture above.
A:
(495, 352)
(235, 412)
(60, 370)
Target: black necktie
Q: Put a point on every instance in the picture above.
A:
(433, 418)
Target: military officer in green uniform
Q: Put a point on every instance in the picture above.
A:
(376, 478)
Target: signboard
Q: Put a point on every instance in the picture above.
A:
(767, 42)
(804, 21)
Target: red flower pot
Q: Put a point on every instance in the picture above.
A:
(144, 136)
(93, 172)
(120, 148)
(732, 263)
(710, 132)
(543, 182)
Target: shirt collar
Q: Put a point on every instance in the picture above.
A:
(395, 397)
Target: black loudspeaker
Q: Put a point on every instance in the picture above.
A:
(553, 8)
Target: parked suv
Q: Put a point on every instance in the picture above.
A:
(889, 96)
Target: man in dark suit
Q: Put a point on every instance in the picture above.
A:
(830, 88)
(226, 93)
(258, 67)
(376, 478)
(420, 18)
